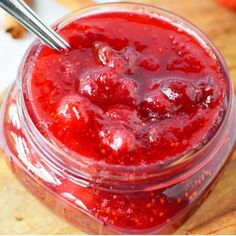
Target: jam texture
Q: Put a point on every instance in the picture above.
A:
(134, 91)
(136, 94)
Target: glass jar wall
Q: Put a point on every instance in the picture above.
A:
(101, 197)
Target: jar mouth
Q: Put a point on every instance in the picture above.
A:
(57, 157)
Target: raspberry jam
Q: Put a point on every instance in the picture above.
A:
(125, 96)
(127, 131)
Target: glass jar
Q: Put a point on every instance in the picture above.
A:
(81, 191)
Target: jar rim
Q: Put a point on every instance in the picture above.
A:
(105, 169)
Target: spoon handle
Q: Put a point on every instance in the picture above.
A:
(25, 15)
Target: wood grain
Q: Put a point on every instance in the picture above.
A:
(222, 225)
(22, 214)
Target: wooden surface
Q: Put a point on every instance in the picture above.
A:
(20, 213)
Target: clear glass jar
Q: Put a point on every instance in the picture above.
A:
(172, 190)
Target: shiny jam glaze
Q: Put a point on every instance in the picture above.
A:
(134, 90)
(136, 94)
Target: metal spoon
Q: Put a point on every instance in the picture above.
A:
(25, 16)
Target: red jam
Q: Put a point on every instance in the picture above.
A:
(136, 94)
(133, 91)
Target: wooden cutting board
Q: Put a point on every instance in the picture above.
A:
(20, 213)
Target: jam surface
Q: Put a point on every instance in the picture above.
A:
(132, 90)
